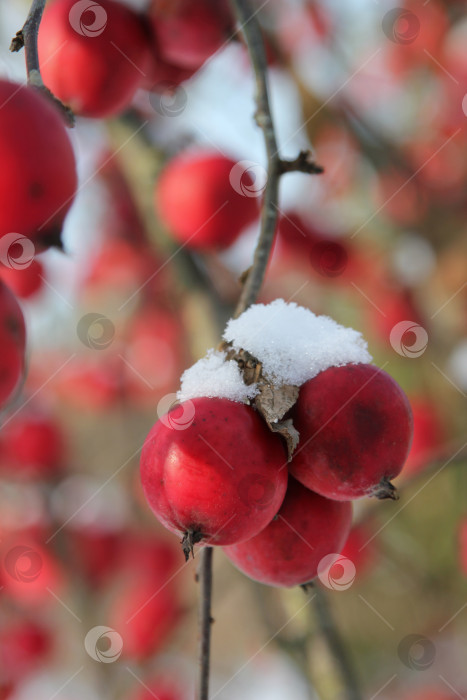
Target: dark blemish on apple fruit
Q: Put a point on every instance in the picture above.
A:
(36, 190)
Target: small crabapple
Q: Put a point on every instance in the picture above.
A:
(148, 612)
(25, 283)
(355, 426)
(24, 644)
(31, 444)
(38, 174)
(93, 60)
(162, 688)
(428, 434)
(188, 32)
(197, 203)
(288, 551)
(204, 481)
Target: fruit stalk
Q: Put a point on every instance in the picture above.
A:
(335, 644)
(205, 620)
(27, 37)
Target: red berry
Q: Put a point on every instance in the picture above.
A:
(188, 32)
(30, 571)
(32, 444)
(288, 551)
(96, 554)
(360, 548)
(24, 282)
(211, 468)
(23, 646)
(38, 174)
(196, 201)
(93, 60)
(152, 357)
(12, 342)
(428, 435)
(355, 427)
(162, 688)
(145, 614)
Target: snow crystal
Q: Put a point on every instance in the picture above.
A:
(214, 377)
(294, 344)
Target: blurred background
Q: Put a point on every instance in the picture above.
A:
(96, 600)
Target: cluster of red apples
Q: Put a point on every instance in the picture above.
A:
(214, 473)
(94, 56)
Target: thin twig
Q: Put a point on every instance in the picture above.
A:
(276, 167)
(254, 40)
(335, 644)
(205, 621)
(27, 38)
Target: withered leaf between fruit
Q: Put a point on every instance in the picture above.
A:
(272, 403)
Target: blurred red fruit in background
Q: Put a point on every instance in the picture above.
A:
(188, 32)
(24, 645)
(38, 175)
(31, 444)
(198, 203)
(95, 59)
(24, 282)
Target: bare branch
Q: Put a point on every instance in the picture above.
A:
(205, 621)
(27, 38)
(275, 166)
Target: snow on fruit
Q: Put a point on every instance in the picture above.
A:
(288, 423)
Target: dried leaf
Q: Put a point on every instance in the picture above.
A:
(289, 433)
(272, 403)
